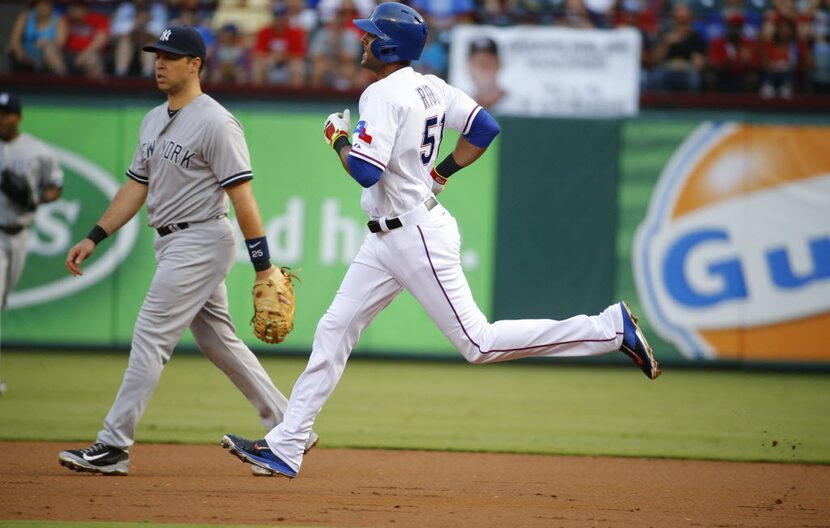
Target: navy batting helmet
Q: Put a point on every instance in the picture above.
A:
(401, 32)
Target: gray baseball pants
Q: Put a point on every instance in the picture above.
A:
(12, 260)
(188, 290)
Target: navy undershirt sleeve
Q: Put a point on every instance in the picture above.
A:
(363, 172)
(483, 130)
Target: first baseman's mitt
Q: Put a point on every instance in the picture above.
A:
(274, 306)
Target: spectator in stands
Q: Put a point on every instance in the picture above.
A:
(680, 54)
(88, 33)
(780, 8)
(434, 58)
(196, 14)
(661, 9)
(800, 14)
(329, 9)
(247, 15)
(229, 59)
(334, 51)
(820, 75)
(498, 12)
(715, 19)
(302, 15)
(279, 52)
(442, 15)
(783, 55)
(821, 19)
(630, 13)
(175, 6)
(134, 24)
(575, 16)
(600, 12)
(36, 40)
(733, 59)
(633, 13)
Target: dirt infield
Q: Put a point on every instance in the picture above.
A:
(368, 488)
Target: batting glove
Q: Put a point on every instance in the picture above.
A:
(337, 125)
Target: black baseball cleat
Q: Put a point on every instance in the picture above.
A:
(97, 458)
(635, 346)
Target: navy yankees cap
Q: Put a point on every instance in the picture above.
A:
(10, 103)
(181, 40)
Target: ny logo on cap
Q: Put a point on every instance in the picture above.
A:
(165, 35)
(4, 98)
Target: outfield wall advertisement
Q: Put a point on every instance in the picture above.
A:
(722, 233)
(731, 258)
(548, 71)
(313, 222)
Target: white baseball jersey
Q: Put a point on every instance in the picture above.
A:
(402, 117)
(188, 159)
(26, 157)
(402, 120)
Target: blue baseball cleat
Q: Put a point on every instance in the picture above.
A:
(635, 346)
(258, 453)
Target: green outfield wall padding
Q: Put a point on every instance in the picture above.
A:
(559, 217)
(556, 229)
(311, 214)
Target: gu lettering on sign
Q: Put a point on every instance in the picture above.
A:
(733, 257)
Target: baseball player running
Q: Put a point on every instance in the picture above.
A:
(414, 241)
(29, 176)
(190, 158)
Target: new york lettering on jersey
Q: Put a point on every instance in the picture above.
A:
(147, 149)
(177, 153)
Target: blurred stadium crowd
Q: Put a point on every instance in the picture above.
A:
(771, 47)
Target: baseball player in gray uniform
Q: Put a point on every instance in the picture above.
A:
(29, 176)
(190, 158)
(414, 241)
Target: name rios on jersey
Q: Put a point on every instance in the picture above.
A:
(427, 96)
(170, 150)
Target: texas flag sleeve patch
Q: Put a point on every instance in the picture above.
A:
(360, 130)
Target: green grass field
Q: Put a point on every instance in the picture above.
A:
(523, 408)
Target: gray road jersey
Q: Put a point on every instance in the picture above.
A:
(26, 157)
(188, 159)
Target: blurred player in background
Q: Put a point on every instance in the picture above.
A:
(29, 176)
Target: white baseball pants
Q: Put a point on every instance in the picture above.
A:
(424, 259)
